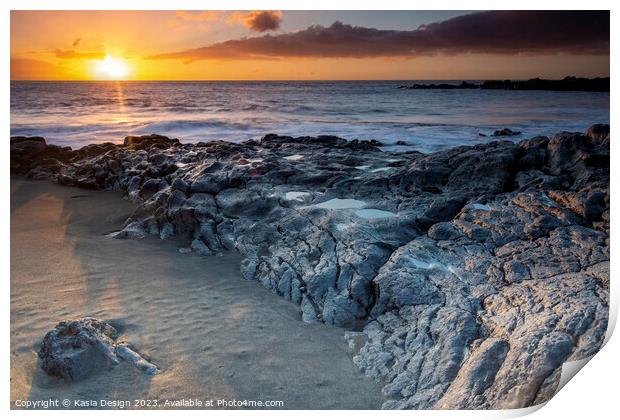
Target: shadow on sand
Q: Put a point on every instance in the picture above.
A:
(214, 335)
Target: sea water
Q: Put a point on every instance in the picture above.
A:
(79, 113)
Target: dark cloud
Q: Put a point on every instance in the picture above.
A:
(263, 20)
(498, 32)
(76, 42)
(77, 55)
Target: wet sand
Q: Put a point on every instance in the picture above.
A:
(214, 335)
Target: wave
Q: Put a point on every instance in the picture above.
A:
(181, 125)
(78, 113)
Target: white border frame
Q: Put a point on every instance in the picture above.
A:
(593, 393)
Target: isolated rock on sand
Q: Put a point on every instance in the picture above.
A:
(466, 277)
(76, 348)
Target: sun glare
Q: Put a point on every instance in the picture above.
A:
(111, 68)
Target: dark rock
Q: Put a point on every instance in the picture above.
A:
(28, 146)
(442, 208)
(211, 184)
(565, 150)
(569, 83)
(74, 349)
(180, 185)
(468, 275)
(505, 132)
(21, 139)
(598, 133)
(240, 203)
(151, 186)
(149, 141)
(533, 153)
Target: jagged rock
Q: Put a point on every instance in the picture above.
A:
(244, 203)
(22, 139)
(470, 275)
(28, 146)
(74, 349)
(180, 185)
(208, 184)
(149, 141)
(33, 157)
(505, 132)
(598, 133)
(151, 186)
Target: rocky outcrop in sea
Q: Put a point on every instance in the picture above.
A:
(465, 278)
(567, 84)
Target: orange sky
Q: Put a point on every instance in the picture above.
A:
(161, 45)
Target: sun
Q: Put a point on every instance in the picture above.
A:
(111, 68)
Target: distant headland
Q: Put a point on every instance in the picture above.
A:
(569, 83)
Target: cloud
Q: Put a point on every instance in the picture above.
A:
(30, 69)
(198, 16)
(76, 42)
(184, 19)
(496, 32)
(258, 20)
(77, 55)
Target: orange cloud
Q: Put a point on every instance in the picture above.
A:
(199, 16)
(29, 69)
(77, 55)
(185, 19)
(258, 20)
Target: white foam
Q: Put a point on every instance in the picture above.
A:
(381, 169)
(296, 195)
(294, 157)
(363, 167)
(340, 204)
(375, 214)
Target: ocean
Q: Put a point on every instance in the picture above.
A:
(80, 113)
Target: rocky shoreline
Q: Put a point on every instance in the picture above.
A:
(465, 277)
(568, 84)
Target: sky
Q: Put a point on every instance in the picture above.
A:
(308, 45)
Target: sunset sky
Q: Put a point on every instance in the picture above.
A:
(289, 45)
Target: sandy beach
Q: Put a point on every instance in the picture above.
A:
(214, 335)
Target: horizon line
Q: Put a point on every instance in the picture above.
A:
(298, 80)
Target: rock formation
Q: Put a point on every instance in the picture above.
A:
(466, 278)
(76, 348)
(569, 83)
